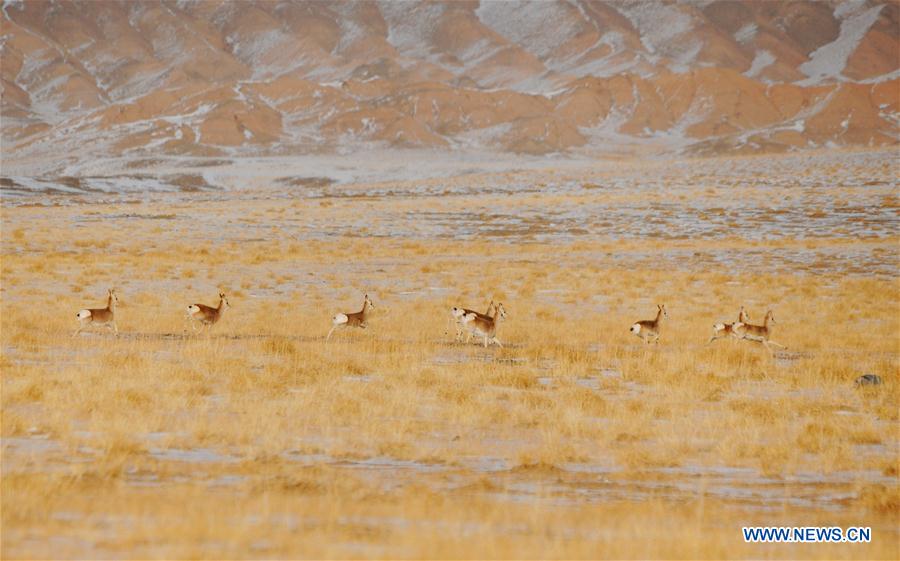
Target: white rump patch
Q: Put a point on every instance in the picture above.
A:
(339, 319)
(457, 312)
(193, 309)
(719, 327)
(636, 328)
(84, 314)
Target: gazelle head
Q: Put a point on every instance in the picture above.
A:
(113, 297)
(224, 299)
(770, 317)
(369, 302)
(501, 311)
(743, 316)
(662, 310)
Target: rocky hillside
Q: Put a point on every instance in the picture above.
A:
(213, 77)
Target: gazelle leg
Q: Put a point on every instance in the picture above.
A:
(457, 329)
(779, 345)
(115, 328)
(497, 341)
(82, 323)
(485, 341)
(330, 331)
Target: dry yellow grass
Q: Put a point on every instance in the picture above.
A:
(573, 441)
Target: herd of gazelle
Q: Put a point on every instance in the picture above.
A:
(743, 330)
(468, 322)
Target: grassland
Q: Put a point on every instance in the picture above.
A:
(573, 441)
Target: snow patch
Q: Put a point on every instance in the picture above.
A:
(410, 26)
(746, 33)
(201, 110)
(684, 55)
(829, 61)
(658, 24)
(848, 7)
(761, 61)
(270, 54)
(525, 23)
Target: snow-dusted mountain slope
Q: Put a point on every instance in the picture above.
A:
(213, 77)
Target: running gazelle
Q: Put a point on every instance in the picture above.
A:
(486, 326)
(649, 329)
(207, 315)
(723, 330)
(759, 333)
(357, 319)
(101, 316)
(460, 315)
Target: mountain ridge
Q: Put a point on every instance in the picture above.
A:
(212, 78)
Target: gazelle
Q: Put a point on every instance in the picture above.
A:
(207, 315)
(723, 330)
(460, 314)
(648, 329)
(101, 316)
(357, 319)
(486, 326)
(759, 333)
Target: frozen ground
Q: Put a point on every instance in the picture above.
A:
(574, 415)
(796, 201)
